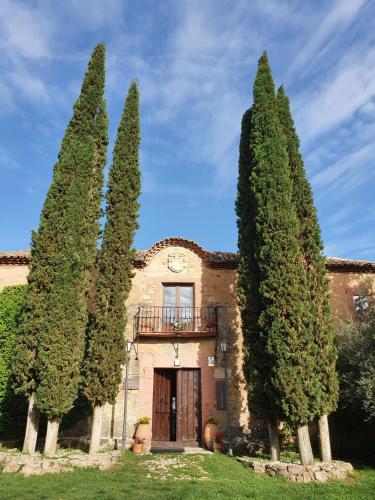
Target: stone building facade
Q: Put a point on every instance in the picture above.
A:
(181, 306)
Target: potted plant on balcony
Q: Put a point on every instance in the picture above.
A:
(147, 327)
(217, 442)
(177, 326)
(138, 445)
(210, 326)
(209, 431)
(144, 429)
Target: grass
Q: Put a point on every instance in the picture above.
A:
(174, 476)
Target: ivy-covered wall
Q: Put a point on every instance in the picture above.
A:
(12, 408)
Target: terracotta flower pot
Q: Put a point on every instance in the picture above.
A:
(209, 433)
(217, 447)
(138, 448)
(144, 431)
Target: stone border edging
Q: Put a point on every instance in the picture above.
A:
(37, 464)
(319, 472)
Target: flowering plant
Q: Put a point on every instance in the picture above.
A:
(139, 440)
(211, 420)
(177, 325)
(218, 437)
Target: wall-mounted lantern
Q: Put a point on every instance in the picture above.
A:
(129, 346)
(225, 346)
(177, 361)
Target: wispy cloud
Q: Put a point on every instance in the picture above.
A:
(7, 160)
(361, 245)
(340, 215)
(337, 19)
(25, 30)
(351, 87)
(346, 167)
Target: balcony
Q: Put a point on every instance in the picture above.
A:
(150, 321)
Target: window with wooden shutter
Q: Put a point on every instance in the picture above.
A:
(221, 395)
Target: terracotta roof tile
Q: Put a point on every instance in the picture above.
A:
(17, 257)
(220, 260)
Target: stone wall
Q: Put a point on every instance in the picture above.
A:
(37, 464)
(319, 472)
(13, 275)
(343, 286)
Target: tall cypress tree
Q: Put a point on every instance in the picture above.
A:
(62, 256)
(284, 330)
(256, 361)
(256, 366)
(248, 280)
(314, 263)
(106, 345)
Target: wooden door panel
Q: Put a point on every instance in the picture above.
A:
(188, 405)
(161, 405)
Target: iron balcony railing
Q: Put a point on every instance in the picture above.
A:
(175, 320)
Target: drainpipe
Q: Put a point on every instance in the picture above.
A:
(229, 431)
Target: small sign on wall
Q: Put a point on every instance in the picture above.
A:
(211, 360)
(133, 384)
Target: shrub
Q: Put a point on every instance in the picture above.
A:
(211, 420)
(12, 408)
(356, 364)
(144, 420)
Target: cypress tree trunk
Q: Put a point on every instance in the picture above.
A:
(96, 431)
(32, 426)
(304, 445)
(51, 438)
(324, 439)
(273, 434)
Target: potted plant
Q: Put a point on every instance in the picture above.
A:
(177, 326)
(138, 445)
(217, 442)
(144, 430)
(210, 326)
(210, 429)
(146, 327)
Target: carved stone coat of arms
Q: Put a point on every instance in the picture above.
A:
(176, 262)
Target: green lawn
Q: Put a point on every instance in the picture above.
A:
(179, 476)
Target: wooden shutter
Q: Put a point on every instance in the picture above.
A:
(221, 395)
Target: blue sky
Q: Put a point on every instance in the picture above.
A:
(195, 61)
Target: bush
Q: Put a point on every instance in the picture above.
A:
(352, 425)
(356, 364)
(144, 420)
(12, 408)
